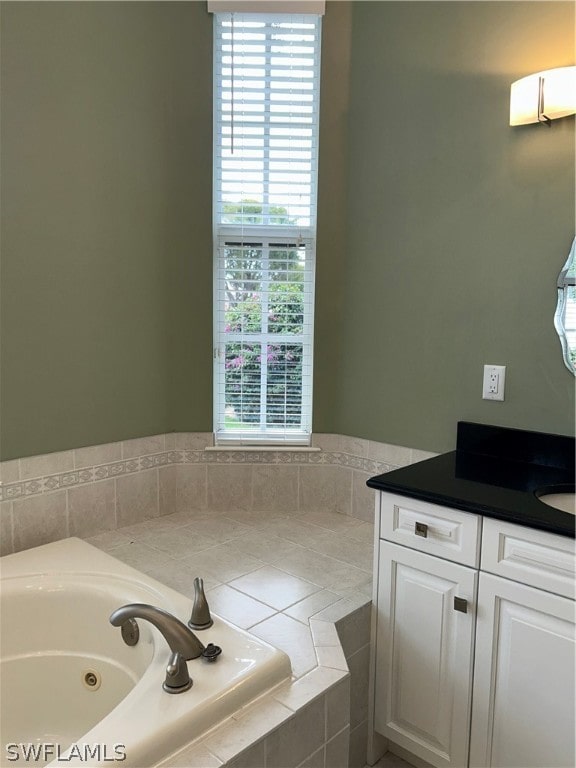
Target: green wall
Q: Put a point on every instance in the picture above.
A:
(458, 224)
(330, 294)
(106, 290)
(441, 230)
(106, 221)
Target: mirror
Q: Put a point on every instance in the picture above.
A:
(565, 317)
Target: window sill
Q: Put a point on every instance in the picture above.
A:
(258, 448)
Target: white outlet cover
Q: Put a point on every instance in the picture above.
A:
(493, 382)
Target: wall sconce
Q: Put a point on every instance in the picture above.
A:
(543, 96)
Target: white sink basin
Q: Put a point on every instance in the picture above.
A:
(564, 501)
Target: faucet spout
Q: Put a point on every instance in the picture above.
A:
(180, 639)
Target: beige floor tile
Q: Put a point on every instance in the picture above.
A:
(331, 656)
(330, 520)
(255, 517)
(219, 527)
(290, 636)
(320, 569)
(156, 525)
(109, 541)
(300, 692)
(342, 610)
(140, 555)
(222, 563)
(364, 589)
(178, 542)
(357, 553)
(362, 532)
(178, 519)
(294, 530)
(274, 587)
(348, 580)
(267, 548)
(235, 606)
(180, 577)
(306, 608)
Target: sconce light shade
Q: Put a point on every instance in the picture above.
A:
(543, 96)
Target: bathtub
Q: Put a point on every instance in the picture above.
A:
(73, 693)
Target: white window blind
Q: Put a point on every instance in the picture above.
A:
(265, 151)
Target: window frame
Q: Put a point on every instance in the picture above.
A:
(267, 434)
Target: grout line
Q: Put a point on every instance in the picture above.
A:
(158, 513)
(257, 529)
(351, 509)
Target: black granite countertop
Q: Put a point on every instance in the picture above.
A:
(494, 471)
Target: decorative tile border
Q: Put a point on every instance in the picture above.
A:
(63, 480)
(360, 458)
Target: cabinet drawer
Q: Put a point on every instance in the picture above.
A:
(539, 559)
(431, 528)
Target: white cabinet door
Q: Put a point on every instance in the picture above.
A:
(523, 711)
(424, 652)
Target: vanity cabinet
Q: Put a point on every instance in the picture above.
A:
(524, 671)
(473, 667)
(425, 654)
(523, 713)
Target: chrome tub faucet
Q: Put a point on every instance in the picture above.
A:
(183, 643)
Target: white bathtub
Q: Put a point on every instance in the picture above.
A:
(55, 637)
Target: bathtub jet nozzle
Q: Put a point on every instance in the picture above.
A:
(200, 618)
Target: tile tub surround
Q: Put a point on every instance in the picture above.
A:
(101, 488)
(283, 579)
(300, 522)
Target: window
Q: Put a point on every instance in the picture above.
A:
(265, 158)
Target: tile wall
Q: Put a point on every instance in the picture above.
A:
(301, 725)
(276, 576)
(354, 634)
(93, 490)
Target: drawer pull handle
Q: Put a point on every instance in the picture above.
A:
(460, 604)
(421, 529)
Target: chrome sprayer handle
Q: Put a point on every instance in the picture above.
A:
(200, 618)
